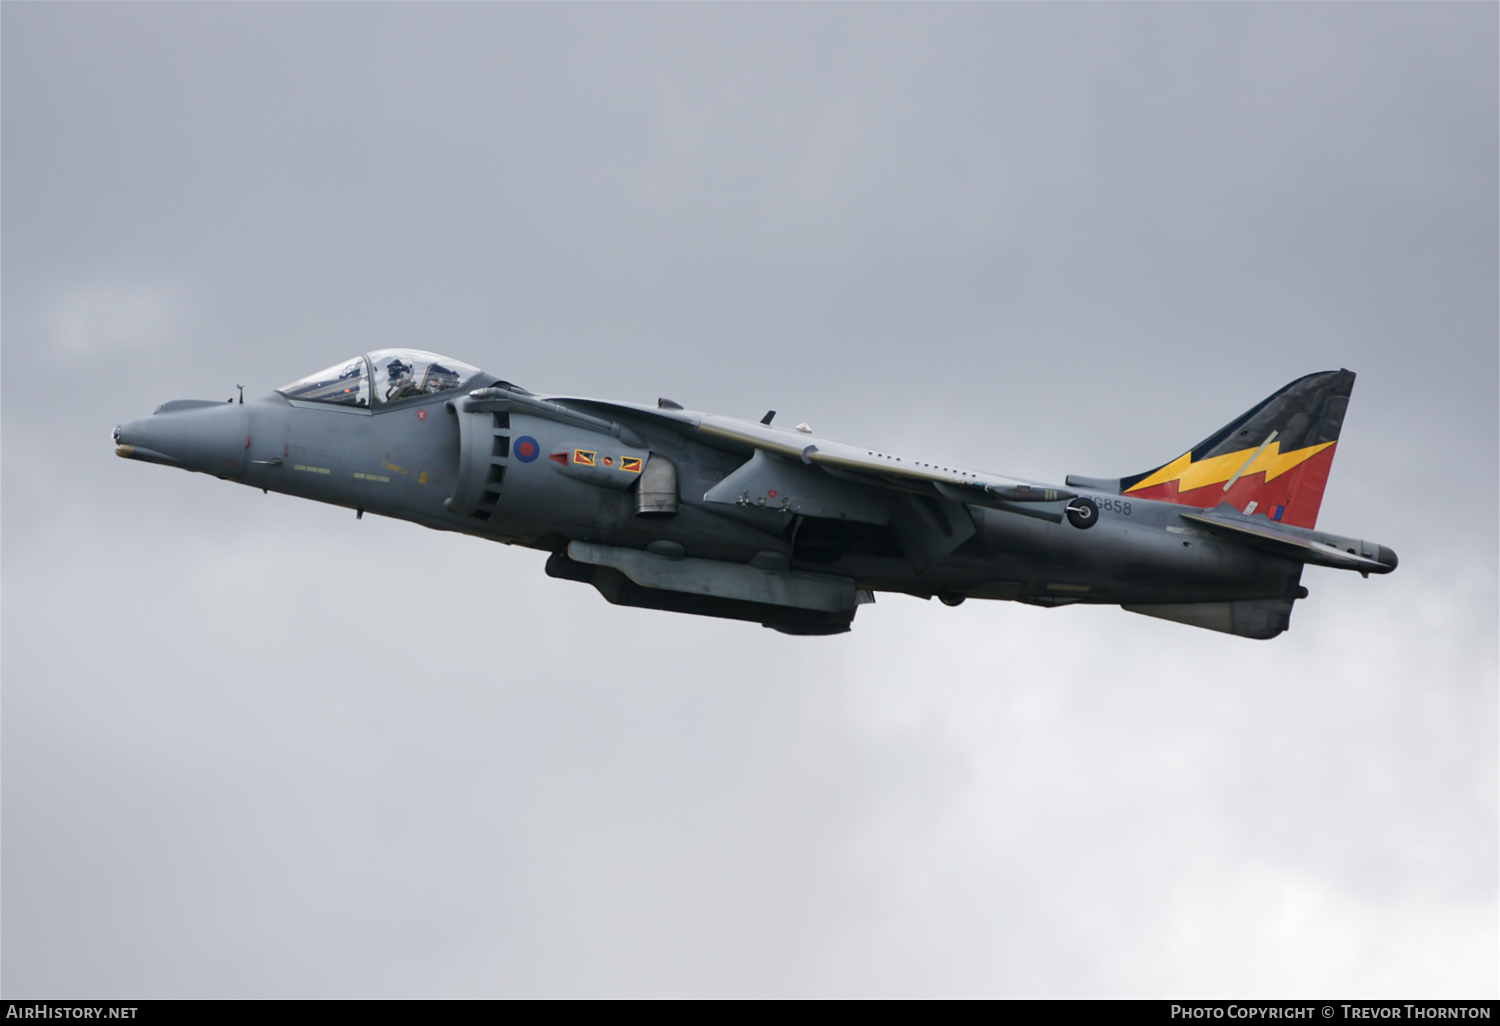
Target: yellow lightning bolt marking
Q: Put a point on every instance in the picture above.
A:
(1218, 469)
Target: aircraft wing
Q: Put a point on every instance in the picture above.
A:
(953, 482)
(860, 463)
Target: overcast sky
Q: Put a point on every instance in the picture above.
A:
(253, 747)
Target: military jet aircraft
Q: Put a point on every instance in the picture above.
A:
(666, 508)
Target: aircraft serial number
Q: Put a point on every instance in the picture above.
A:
(1120, 506)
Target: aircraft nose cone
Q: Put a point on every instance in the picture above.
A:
(135, 440)
(211, 438)
(1386, 556)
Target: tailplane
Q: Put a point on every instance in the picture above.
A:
(1273, 460)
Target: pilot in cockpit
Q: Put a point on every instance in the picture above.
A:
(397, 374)
(402, 381)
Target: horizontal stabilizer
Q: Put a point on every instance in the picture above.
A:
(1304, 546)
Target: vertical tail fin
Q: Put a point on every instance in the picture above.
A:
(1273, 460)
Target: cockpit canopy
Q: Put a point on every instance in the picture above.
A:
(397, 374)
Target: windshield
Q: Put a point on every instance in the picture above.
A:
(344, 384)
(403, 373)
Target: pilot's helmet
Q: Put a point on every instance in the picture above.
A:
(399, 371)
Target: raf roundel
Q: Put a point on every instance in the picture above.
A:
(526, 449)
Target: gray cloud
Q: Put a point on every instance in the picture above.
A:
(252, 747)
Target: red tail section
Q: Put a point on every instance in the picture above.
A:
(1273, 461)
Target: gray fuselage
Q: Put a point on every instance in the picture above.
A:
(403, 461)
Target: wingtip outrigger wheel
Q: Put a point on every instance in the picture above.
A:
(1083, 513)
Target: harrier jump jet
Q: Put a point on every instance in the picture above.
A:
(666, 508)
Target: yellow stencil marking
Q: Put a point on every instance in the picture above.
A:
(392, 466)
(423, 478)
